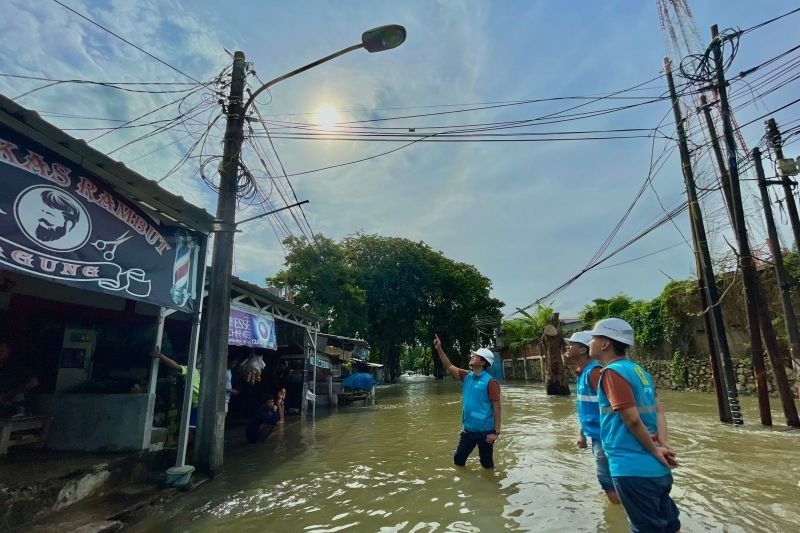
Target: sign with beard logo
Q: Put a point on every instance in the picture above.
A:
(61, 223)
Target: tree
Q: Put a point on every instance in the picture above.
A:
(323, 281)
(396, 292)
(518, 332)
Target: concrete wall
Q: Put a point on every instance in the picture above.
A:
(113, 422)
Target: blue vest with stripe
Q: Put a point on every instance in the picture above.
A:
(476, 409)
(626, 456)
(588, 408)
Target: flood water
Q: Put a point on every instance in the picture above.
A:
(389, 468)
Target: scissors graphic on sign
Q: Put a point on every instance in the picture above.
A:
(111, 245)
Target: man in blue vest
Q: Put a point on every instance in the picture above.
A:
(480, 405)
(588, 377)
(634, 431)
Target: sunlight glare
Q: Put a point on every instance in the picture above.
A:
(327, 117)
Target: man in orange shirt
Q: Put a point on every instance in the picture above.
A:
(480, 405)
(634, 431)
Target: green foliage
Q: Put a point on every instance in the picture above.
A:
(397, 293)
(603, 308)
(520, 331)
(656, 322)
(322, 279)
(417, 358)
(680, 369)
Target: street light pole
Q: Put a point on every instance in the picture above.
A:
(211, 426)
(375, 40)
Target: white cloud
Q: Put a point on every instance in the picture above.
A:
(528, 215)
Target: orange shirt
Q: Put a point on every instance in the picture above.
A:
(617, 390)
(594, 375)
(493, 388)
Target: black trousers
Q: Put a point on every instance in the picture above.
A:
(467, 442)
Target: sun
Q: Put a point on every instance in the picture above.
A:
(327, 117)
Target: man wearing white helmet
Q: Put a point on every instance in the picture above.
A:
(634, 431)
(587, 378)
(480, 405)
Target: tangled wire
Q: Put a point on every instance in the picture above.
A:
(700, 68)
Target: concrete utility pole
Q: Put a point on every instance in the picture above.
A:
(211, 424)
(774, 137)
(790, 319)
(749, 274)
(756, 347)
(732, 412)
(211, 430)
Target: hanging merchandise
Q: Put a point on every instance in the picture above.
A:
(251, 368)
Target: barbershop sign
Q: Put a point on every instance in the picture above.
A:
(61, 223)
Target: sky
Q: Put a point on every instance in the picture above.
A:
(528, 215)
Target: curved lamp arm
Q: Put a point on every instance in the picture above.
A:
(298, 71)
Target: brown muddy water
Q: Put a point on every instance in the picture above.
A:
(389, 469)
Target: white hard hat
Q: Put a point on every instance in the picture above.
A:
(581, 337)
(486, 353)
(613, 328)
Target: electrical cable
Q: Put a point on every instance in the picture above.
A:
(84, 17)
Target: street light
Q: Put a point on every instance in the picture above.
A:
(374, 40)
(209, 449)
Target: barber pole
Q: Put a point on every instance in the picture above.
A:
(186, 253)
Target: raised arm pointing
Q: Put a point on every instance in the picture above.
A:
(450, 367)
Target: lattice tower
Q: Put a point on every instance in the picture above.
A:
(682, 40)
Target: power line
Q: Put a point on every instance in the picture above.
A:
(123, 39)
(641, 257)
(111, 85)
(770, 21)
(40, 78)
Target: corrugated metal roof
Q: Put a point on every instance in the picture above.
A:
(264, 294)
(168, 207)
(357, 342)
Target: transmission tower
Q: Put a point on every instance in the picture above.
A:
(684, 46)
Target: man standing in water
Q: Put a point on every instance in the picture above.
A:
(588, 377)
(634, 431)
(480, 405)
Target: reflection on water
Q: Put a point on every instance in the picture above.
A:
(389, 469)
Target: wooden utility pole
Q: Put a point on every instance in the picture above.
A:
(726, 388)
(719, 391)
(753, 328)
(211, 426)
(749, 273)
(552, 344)
(723, 172)
(790, 320)
(774, 137)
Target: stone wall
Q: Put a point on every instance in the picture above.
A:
(695, 374)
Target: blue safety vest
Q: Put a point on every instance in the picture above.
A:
(626, 455)
(476, 409)
(588, 408)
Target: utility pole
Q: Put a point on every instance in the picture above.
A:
(774, 137)
(756, 346)
(749, 273)
(719, 388)
(211, 427)
(723, 172)
(731, 414)
(783, 279)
